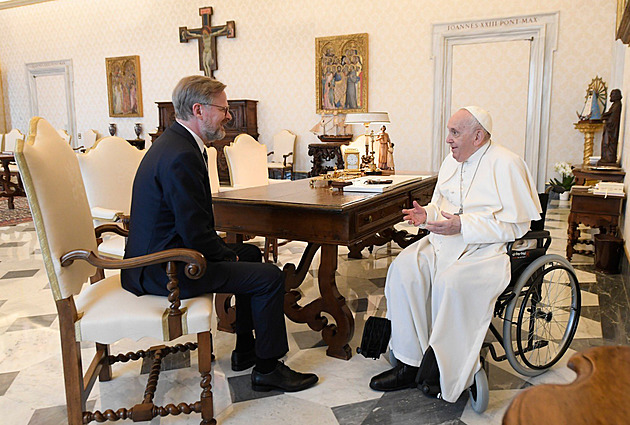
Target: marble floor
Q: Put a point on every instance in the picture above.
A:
(31, 381)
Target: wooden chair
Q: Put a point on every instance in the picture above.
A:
(599, 394)
(108, 170)
(104, 312)
(283, 148)
(247, 164)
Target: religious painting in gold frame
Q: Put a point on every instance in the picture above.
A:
(341, 73)
(124, 88)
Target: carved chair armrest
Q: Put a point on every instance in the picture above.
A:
(195, 267)
(195, 261)
(284, 157)
(111, 228)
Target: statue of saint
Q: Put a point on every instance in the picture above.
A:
(610, 138)
(384, 145)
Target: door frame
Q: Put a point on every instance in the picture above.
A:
(60, 67)
(542, 31)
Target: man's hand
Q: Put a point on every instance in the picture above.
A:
(416, 215)
(451, 226)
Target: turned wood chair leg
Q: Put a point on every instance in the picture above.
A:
(205, 369)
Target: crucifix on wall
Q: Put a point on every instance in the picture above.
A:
(207, 37)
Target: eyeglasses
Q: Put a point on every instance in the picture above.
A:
(224, 109)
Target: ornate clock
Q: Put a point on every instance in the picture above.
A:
(352, 160)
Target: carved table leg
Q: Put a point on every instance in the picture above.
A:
(226, 314)
(336, 336)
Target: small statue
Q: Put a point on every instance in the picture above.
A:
(384, 146)
(610, 138)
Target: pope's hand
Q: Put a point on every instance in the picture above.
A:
(416, 215)
(451, 226)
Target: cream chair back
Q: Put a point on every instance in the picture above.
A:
(247, 162)
(213, 170)
(108, 170)
(10, 140)
(64, 135)
(89, 138)
(54, 187)
(283, 143)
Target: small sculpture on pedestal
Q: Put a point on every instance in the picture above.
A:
(112, 129)
(610, 138)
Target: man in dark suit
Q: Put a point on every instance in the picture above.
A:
(172, 208)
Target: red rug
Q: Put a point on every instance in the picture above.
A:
(20, 214)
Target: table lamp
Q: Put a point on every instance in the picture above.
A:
(366, 119)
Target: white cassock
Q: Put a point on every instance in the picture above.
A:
(441, 290)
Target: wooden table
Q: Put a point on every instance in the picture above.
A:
(591, 210)
(9, 189)
(325, 152)
(325, 219)
(584, 173)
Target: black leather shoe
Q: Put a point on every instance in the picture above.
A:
(242, 361)
(282, 378)
(400, 377)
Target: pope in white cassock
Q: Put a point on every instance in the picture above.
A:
(441, 290)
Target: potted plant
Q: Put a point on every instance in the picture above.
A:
(562, 187)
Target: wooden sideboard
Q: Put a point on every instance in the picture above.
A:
(591, 210)
(244, 120)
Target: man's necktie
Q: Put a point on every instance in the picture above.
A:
(205, 157)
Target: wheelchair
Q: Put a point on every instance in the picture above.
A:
(540, 309)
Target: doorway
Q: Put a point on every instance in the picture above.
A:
(51, 92)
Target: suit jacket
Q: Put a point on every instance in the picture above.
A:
(171, 207)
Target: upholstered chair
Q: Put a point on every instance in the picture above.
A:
(65, 136)
(213, 170)
(9, 143)
(108, 170)
(103, 312)
(247, 164)
(281, 157)
(89, 138)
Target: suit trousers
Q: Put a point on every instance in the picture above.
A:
(259, 291)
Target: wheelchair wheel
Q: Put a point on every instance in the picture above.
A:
(542, 318)
(479, 392)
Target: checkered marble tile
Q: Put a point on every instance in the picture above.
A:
(31, 379)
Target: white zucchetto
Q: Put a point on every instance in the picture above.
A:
(482, 116)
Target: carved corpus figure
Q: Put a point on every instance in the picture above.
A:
(610, 138)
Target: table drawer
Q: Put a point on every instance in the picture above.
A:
(380, 216)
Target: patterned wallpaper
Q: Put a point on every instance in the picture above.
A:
(272, 59)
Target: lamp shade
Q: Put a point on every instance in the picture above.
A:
(368, 117)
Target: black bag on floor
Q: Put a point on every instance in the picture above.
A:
(376, 334)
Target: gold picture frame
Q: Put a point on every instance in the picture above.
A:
(341, 73)
(124, 88)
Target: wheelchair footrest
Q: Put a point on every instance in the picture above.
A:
(376, 334)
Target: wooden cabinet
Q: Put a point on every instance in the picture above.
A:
(591, 210)
(244, 120)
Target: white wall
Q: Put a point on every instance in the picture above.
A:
(272, 59)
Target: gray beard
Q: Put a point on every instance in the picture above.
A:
(210, 135)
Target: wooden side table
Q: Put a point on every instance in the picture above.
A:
(594, 211)
(324, 152)
(584, 173)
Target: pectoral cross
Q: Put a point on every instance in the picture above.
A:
(207, 37)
